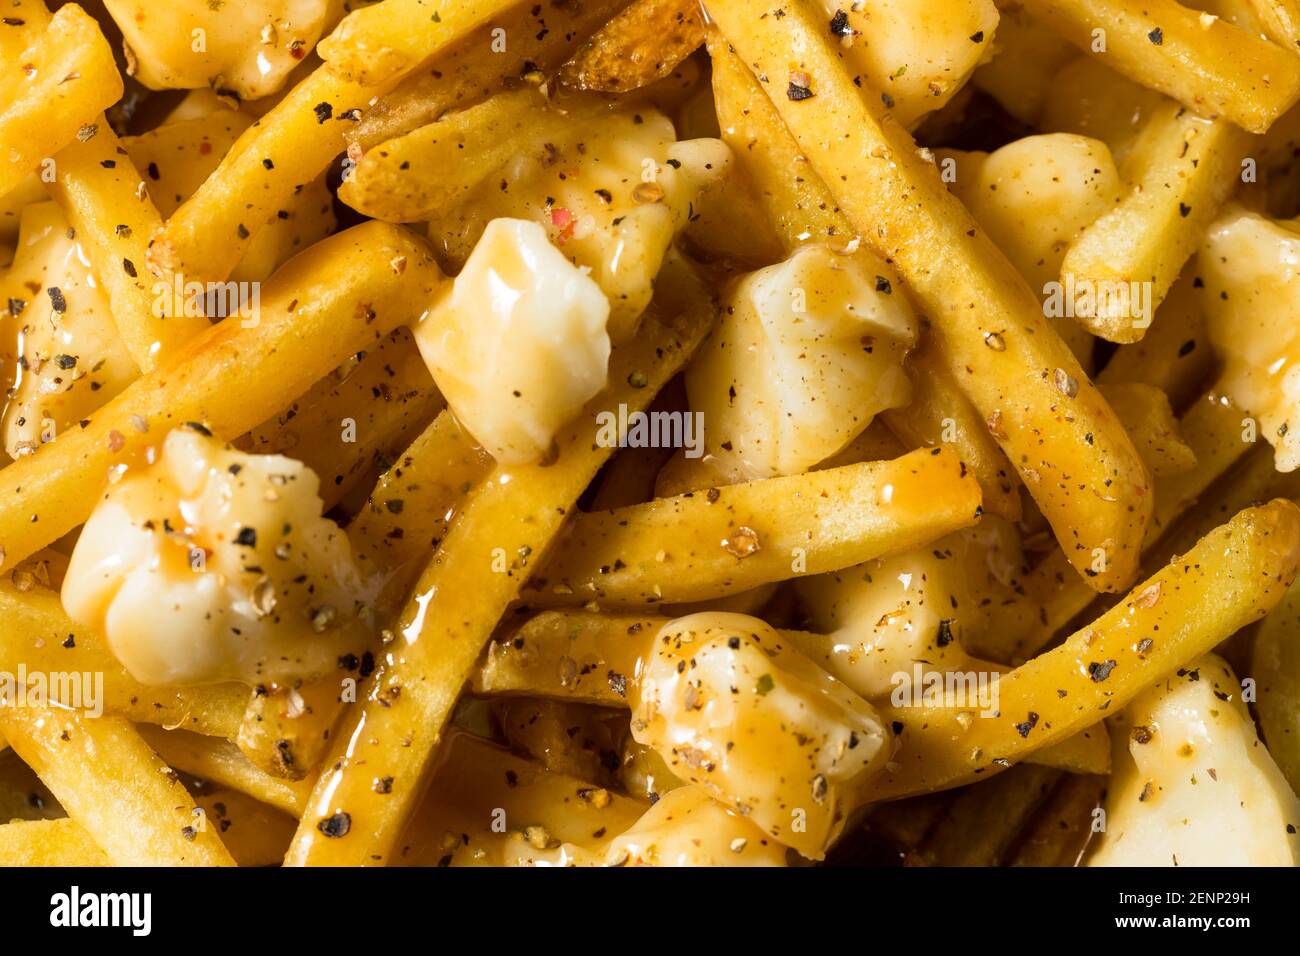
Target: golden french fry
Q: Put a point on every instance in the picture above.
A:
(1275, 666)
(37, 637)
(221, 762)
(112, 784)
(61, 842)
(22, 795)
(1059, 833)
(1148, 418)
(507, 521)
(1207, 64)
(381, 43)
(255, 834)
(982, 821)
(1175, 355)
(988, 325)
(641, 44)
(285, 731)
(725, 540)
(474, 777)
(367, 410)
(1280, 20)
(344, 294)
(1180, 170)
(1233, 577)
(106, 201)
(52, 90)
(472, 69)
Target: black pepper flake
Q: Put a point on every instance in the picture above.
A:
(887, 100)
(108, 163)
(1184, 210)
(16, 307)
(128, 267)
(1027, 725)
(384, 785)
(71, 642)
(1100, 671)
(153, 172)
(395, 505)
(797, 92)
(882, 285)
(840, 24)
(57, 301)
(977, 36)
(1156, 36)
(65, 362)
(1187, 348)
(243, 231)
(247, 537)
(617, 683)
(944, 637)
(337, 825)
(267, 164)
(122, 231)
(323, 112)
(198, 427)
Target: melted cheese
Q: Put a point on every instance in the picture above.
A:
(61, 352)
(208, 564)
(731, 707)
(246, 48)
(611, 201)
(518, 344)
(808, 351)
(1192, 784)
(1251, 269)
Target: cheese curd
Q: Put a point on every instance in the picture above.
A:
(731, 707)
(886, 618)
(1191, 784)
(204, 564)
(807, 352)
(517, 345)
(611, 202)
(687, 827)
(61, 354)
(244, 48)
(1035, 196)
(917, 52)
(1251, 269)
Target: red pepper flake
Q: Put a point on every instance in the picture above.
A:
(565, 221)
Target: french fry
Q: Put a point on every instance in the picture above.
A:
(1233, 577)
(22, 795)
(365, 410)
(1280, 20)
(507, 521)
(115, 787)
(982, 821)
(940, 413)
(421, 175)
(710, 544)
(1180, 170)
(1148, 418)
(254, 833)
(37, 635)
(381, 43)
(1175, 355)
(1275, 666)
(96, 184)
(471, 70)
(475, 778)
(60, 842)
(641, 44)
(1208, 65)
(206, 238)
(1025, 58)
(220, 762)
(988, 324)
(341, 296)
(1059, 833)
(52, 90)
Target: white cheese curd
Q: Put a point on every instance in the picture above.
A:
(245, 48)
(204, 564)
(1191, 784)
(807, 352)
(730, 706)
(62, 357)
(1251, 269)
(687, 827)
(518, 343)
(611, 201)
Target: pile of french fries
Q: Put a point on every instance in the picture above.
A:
(975, 541)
